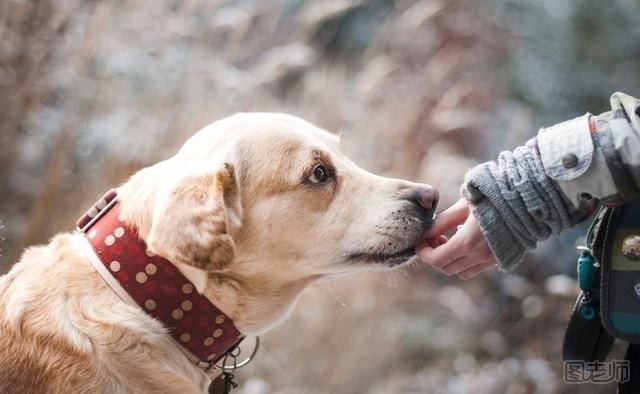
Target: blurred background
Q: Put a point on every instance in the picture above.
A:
(91, 91)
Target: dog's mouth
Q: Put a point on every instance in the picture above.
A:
(390, 259)
(390, 255)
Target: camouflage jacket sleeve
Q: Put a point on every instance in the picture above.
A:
(596, 157)
(556, 179)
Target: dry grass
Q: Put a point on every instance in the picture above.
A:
(92, 91)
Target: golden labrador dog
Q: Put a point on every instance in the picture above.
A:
(251, 210)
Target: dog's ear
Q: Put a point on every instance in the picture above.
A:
(192, 219)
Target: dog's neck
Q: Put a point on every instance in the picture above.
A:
(255, 307)
(241, 292)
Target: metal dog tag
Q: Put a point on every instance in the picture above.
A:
(222, 384)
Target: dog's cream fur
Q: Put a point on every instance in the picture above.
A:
(239, 211)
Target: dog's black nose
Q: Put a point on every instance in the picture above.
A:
(426, 197)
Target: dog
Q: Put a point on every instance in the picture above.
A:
(251, 210)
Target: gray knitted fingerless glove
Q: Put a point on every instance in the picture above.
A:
(515, 203)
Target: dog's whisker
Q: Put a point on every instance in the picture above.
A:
(335, 297)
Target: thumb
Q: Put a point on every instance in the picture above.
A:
(449, 218)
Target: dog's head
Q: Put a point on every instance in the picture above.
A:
(269, 202)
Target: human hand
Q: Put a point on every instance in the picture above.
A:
(466, 253)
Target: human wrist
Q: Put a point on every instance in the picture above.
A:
(506, 248)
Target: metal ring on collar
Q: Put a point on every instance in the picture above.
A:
(242, 363)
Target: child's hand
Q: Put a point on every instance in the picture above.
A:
(466, 253)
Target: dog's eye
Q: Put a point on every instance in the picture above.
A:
(319, 175)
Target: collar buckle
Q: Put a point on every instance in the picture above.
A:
(97, 210)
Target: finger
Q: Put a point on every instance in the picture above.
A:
(474, 271)
(425, 251)
(450, 218)
(461, 264)
(451, 263)
(435, 242)
(441, 255)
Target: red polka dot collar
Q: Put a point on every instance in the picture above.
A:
(156, 285)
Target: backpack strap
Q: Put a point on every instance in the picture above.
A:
(585, 338)
(631, 384)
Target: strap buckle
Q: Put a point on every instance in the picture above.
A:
(97, 210)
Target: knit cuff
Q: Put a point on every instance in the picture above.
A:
(504, 246)
(515, 203)
(482, 192)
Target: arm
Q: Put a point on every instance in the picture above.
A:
(608, 167)
(549, 184)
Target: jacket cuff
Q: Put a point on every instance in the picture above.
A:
(504, 246)
(577, 166)
(488, 206)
